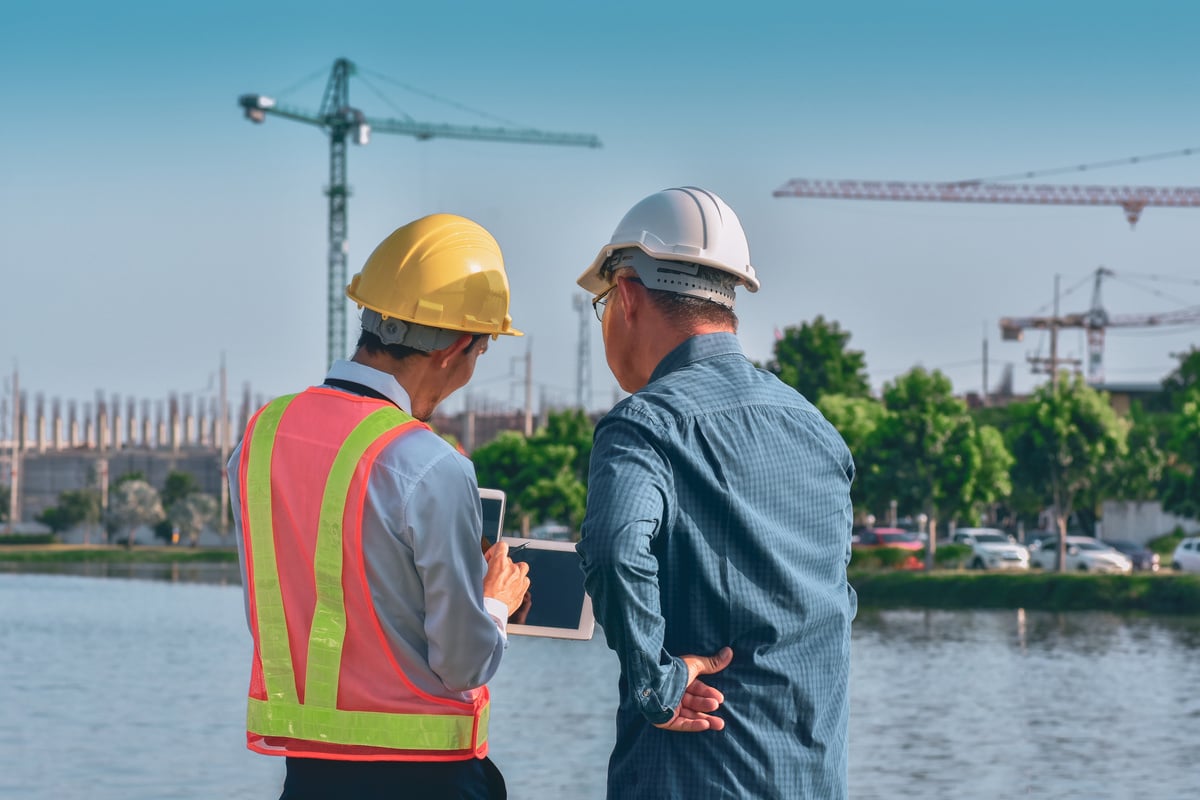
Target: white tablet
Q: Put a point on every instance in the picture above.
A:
(559, 607)
(491, 503)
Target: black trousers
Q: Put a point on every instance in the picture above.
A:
(326, 779)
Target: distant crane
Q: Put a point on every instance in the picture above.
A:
(342, 121)
(1095, 321)
(1131, 198)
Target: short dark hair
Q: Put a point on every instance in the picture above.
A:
(685, 311)
(373, 344)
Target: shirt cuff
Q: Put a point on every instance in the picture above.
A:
(498, 611)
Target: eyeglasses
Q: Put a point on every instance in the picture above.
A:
(600, 301)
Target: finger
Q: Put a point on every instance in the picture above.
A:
(699, 688)
(693, 702)
(523, 567)
(717, 662)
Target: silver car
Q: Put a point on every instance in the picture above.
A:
(1084, 554)
(992, 548)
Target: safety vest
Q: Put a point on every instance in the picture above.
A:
(325, 681)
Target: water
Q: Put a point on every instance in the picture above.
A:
(121, 688)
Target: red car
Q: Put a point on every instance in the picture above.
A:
(897, 538)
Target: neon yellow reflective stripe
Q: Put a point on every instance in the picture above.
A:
(278, 673)
(329, 617)
(370, 728)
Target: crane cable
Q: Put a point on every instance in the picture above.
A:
(1116, 162)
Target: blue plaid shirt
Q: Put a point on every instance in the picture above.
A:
(718, 514)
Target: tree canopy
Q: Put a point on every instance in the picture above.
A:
(1067, 440)
(815, 359)
(927, 453)
(545, 475)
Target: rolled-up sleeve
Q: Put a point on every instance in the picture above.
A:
(626, 509)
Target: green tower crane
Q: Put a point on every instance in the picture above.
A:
(342, 122)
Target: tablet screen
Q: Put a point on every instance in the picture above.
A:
(492, 507)
(559, 607)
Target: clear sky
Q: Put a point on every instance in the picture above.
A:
(148, 229)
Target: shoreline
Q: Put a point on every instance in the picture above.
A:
(1157, 593)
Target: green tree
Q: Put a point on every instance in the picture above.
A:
(856, 418)
(1066, 439)
(178, 486)
(133, 503)
(5, 500)
(191, 513)
(544, 475)
(1181, 485)
(75, 507)
(814, 358)
(928, 454)
(1184, 377)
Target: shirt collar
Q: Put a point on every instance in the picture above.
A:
(381, 382)
(696, 348)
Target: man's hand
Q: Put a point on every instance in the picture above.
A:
(506, 580)
(700, 699)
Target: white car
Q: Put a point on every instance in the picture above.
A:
(1187, 555)
(1084, 554)
(992, 548)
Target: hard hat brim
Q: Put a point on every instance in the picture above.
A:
(592, 281)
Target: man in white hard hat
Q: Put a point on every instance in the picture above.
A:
(717, 531)
(376, 619)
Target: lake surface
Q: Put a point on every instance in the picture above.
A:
(132, 688)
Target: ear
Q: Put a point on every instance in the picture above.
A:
(631, 298)
(457, 347)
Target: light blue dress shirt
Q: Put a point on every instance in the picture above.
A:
(421, 532)
(719, 513)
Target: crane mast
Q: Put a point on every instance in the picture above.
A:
(344, 122)
(1095, 321)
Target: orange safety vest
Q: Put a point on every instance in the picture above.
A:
(325, 682)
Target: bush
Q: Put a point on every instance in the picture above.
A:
(1165, 545)
(1169, 594)
(27, 538)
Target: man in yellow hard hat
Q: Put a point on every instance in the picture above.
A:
(717, 531)
(376, 621)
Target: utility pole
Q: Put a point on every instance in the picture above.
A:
(985, 366)
(14, 494)
(529, 386)
(583, 356)
(224, 446)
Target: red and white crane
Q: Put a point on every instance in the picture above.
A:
(1131, 198)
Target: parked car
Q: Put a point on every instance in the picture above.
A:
(992, 548)
(1084, 554)
(889, 537)
(552, 530)
(896, 538)
(1187, 555)
(1144, 559)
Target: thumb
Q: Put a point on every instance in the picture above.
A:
(717, 662)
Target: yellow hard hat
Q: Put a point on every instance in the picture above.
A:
(441, 271)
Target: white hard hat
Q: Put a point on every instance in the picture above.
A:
(684, 224)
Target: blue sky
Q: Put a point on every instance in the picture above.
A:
(149, 229)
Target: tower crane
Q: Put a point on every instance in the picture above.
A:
(342, 122)
(1133, 199)
(1095, 321)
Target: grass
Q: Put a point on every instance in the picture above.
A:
(1167, 593)
(149, 554)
